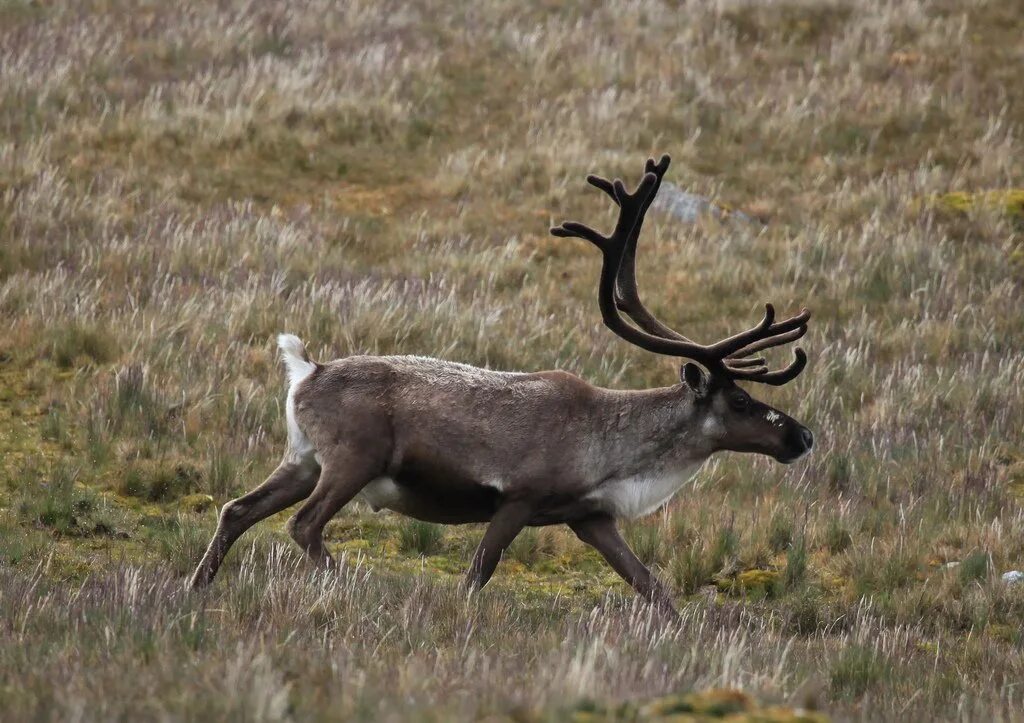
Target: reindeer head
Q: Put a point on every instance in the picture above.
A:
(733, 420)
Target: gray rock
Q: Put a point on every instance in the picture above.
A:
(1013, 577)
(688, 207)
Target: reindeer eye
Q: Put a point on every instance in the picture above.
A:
(739, 402)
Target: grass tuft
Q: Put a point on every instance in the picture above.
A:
(159, 482)
(780, 532)
(857, 671)
(74, 344)
(422, 538)
(974, 567)
(836, 538)
(796, 564)
(54, 501)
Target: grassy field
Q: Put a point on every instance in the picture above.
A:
(181, 181)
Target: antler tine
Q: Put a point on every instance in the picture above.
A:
(762, 336)
(622, 198)
(571, 229)
(776, 339)
(757, 361)
(776, 378)
(604, 184)
(658, 169)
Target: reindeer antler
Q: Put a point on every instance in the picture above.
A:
(618, 290)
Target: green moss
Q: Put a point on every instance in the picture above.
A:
(709, 705)
(197, 502)
(716, 703)
(1008, 202)
(955, 202)
(756, 583)
(356, 545)
(757, 578)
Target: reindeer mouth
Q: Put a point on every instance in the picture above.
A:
(804, 442)
(792, 458)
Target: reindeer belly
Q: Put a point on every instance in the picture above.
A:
(382, 493)
(432, 501)
(640, 494)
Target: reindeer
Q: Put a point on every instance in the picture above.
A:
(451, 443)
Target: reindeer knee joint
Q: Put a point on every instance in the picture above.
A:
(233, 511)
(298, 531)
(586, 535)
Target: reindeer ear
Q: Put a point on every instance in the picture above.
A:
(695, 378)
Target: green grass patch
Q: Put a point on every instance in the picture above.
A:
(421, 538)
(158, 481)
(54, 501)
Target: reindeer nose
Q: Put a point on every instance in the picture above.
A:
(807, 438)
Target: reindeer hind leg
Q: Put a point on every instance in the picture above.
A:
(345, 473)
(292, 481)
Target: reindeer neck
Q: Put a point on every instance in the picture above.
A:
(652, 428)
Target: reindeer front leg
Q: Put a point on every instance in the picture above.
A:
(507, 522)
(601, 533)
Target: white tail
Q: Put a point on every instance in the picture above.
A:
(294, 356)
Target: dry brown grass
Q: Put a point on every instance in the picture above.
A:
(178, 183)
